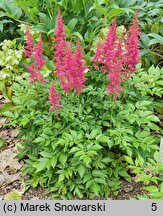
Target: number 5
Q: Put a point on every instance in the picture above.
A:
(154, 207)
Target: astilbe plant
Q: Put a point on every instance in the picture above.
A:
(84, 148)
(54, 98)
(35, 53)
(70, 66)
(117, 57)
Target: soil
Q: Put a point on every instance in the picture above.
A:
(12, 180)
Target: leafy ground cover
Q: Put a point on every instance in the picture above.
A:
(15, 188)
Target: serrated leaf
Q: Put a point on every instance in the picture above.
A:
(46, 154)
(53, 161)
(61, 177)
(142, 104)
(74, 149)
(160, 82)
(8, 114)
(98, 173)
(79, 153)
(129, 160)
(60, 141)
(78, 192)
(151, 188)
(81, 170)
(114, 12)
(39, 139)
(95, 188)
(140, 161)
(96, 147)
(42, 164)
(101, 10)
(94, 133)
(62, 158)
(102, 139)
(100, 181)
(153, 118)
(86, 159)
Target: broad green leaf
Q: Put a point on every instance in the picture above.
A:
(78, 192)
(101, 10)
(78, 35)
(96, 147)
(53, 161)
(72, 23)
(62, 158)
(144, 52)
(100, 181)
(145, 39)
(103, 138)
(46, 154)
(74, 149)
(45, 18)
(81, 170)
(151, 188)
(79, 153)
(60, 141)
(114, 12)
(42, 164)
(129, 160)
(98, 173)
(42, 29)
(159, 38)
(152, 42)
(142, 104)
(94, 133)
(139, 161)
(61, 177)
(8, 114)
(39, 139)
(153, 118)
(160, 82)
(86, 159)
(95, 188)
(17, 101)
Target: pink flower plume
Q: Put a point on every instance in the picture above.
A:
(54, 98)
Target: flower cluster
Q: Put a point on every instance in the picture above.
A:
(117, 57)
(70, 66)
(34, 52)
(54, 97)
(132, 48)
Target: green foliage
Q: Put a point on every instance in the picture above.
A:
(10, 15)
(82, 18)
(151, 176)
(154, 192)
(150, 82)
(149, 172)
(150, 20)
(10, 57)
(85, 148)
